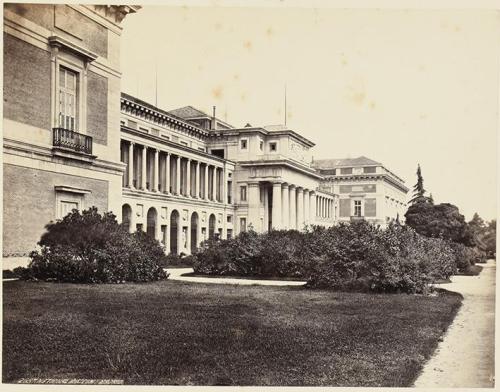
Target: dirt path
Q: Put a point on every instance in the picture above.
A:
(466, 356)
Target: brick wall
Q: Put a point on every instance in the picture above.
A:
(93, 35)
(29, 203)
(26, 73)
(97, 107)
(345, 208)
(370, 207)
(41, 14)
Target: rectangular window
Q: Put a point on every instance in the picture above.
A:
(229, 218)
(66, 207)
(346, 170)
(244, 144)
(371, 169)
(243, 193)
(68, 99)
(243, 224)
(229, 234)
(273, 146)
(357, 207)
(261, 145)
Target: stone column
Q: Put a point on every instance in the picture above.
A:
(266, 207)
(300, 208)
(178, 177)
(293, 207)
(306, 207)
(224, 185)
(167, 174)
(157, 228)
(180, 245)
(167, 239)
(253, 198)
(188, 233)
(156, 171)
(188, 178)
(206, 181)
(130, 165)
(277, 205)
(285, 198)
(143, 168)
(214, 184)
(131, 227)
(197, 182)
(312, 207)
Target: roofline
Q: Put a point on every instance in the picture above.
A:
(266, 132)
(286, 162)
(386, 177)
(163, 114)
(159, 139)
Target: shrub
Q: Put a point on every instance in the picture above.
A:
(91, 248)
(350, 256)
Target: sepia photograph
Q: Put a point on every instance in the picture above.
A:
(262, 193)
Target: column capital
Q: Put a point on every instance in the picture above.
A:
(276, 183)
(285, 184)
(300, 189)
(253, 183)
(292, 186)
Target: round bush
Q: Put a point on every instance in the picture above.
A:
(91, 248)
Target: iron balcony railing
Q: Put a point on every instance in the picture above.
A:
(72, 140)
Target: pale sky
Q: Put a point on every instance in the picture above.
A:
(399, 86)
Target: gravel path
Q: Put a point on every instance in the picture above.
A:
(175, 274)
(466, 356)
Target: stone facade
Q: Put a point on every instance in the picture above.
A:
(61, 137)
(72, 140)
(366, 189)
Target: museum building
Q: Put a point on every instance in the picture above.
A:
(73, 140)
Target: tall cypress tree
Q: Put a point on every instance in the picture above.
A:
(418, 189)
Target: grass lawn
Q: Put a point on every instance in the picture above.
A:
(183, 333)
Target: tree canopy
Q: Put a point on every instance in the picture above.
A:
(439, 221)
(419, 190)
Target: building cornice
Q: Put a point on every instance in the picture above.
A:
(28, 150)
(281, 162)
(263, 131)
(360, 177)
(160, 196)
(141, 109)
(173, 145)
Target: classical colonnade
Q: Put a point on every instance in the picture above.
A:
(155, 170)
(292, 206)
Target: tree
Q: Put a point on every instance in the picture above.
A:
(489, 238)
(418, 190)
(439, 221)
(477, 228)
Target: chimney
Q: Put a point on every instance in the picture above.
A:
(213, 124)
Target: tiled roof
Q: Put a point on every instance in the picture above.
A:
(353, 162)
(188, 112)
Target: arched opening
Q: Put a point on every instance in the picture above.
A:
(151, 222)
(174, 227)
(126, 217)
(211, 226)
(194, 232)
